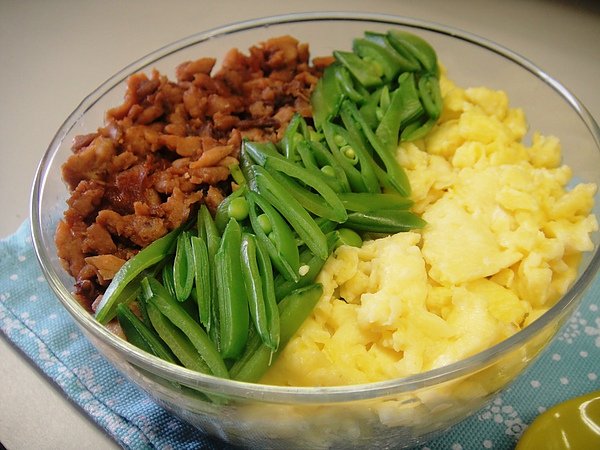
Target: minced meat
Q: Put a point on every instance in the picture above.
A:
(167, 148)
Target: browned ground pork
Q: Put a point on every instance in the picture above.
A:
(167, 149)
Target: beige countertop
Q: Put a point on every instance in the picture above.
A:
(53, 53)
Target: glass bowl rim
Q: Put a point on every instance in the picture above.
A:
(287, 394)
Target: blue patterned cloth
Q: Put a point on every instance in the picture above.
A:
(33, 319)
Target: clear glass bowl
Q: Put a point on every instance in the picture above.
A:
(395, 413)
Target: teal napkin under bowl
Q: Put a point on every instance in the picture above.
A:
(32, 318)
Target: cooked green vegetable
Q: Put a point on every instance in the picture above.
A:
(390, 62)
(392, 81)
(293, 311)
(311, 266)
(296, 131)
(311, 178)
(177, 341)
(404, 106)
(405, 60)
(257, 275)
(183, 267)
(203, 280)
(167, 278)
(292, 210)
(335, 143)
(363, 202)
(397, 176)
(207, 231)
(231, 293)
(384, 221)
(342, 75)
(140, 335)
(312, 202)
(326, 98)
(125, 284)
(368, 73)
(259, 151)
(354, 148)
(277, 237)
(346, 236)
(155, 293)
(413, 46)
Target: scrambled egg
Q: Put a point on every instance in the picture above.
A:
(502, 243)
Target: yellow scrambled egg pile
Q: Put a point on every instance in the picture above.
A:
(502, 243)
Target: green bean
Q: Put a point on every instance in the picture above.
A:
(246, 162)
(177, 341)
(370, 108)
(202, 280)
(325, 225)
(307, 158)
(368, 73)
(169, 307)
(346, 84)
(140, 335)
(258, 279)
(326, 98)
(191, 306)
(417, 130)
(324, 204)
(236, 174)
(259, 151)
(118, 290)
(143, 311)
(294, 213)
(183, 268)
(390, 61)
(207, 230)
(404, 107)
(310, 201)
(282, 248)
(293, 311)
(352, 135)
(384, 221)
(405, 59)
(363, 202)
(268, 284)
(408, 43)
(353, 175)
(132, 335)
(346, 236)
(231, 293)
(397, 176)
(296, 130)
(167, 278)
(384, 98)
(324, 157)
(311, 265)
(431, 97)
(310, 177)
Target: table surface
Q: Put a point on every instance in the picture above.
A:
(53, 53)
